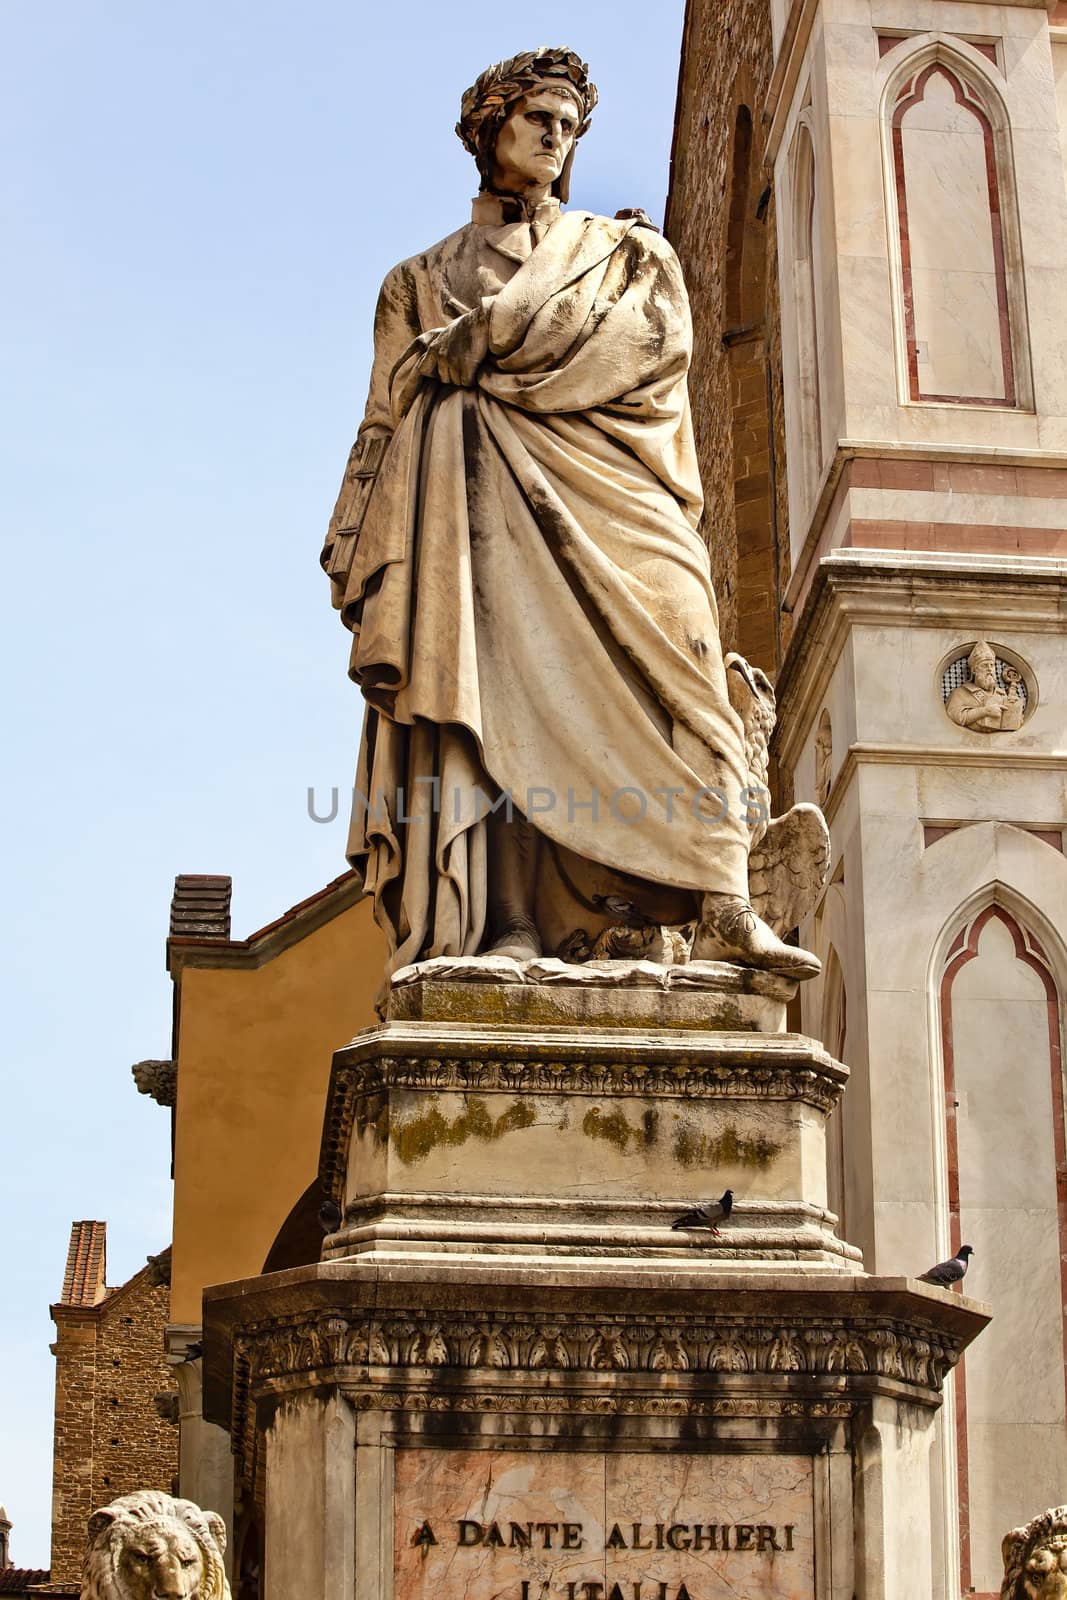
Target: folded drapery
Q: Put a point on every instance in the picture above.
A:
(530, 599)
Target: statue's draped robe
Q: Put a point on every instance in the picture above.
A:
(531, 602)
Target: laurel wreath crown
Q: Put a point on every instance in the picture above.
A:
(486, 104)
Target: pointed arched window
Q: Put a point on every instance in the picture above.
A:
(959, 300)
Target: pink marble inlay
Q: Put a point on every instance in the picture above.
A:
(558, 1525)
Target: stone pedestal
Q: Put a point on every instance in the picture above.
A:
(509, 1377)
(562, 1113)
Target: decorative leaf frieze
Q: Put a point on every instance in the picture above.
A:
(577, 1344)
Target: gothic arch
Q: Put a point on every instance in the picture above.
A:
(1003, 1145)
(959, 299)
(807, 294)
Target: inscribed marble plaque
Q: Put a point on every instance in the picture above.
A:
(560, 1525)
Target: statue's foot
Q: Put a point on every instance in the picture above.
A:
(730, 930)
(518, 939)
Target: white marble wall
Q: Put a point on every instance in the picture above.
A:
(895, 904)
(1059, 73)
(953, 268)
(1008, 1212)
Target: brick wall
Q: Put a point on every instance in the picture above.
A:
(109, 1436)
(721, 220)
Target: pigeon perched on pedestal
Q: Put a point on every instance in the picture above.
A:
(707, 1215)
(329, 1216)
(946, 1273)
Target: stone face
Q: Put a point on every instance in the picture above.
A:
(147, 1544)
(1035, 1558)
(711, 1524)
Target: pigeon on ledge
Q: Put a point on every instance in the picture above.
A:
(946, 1273)
(329, 1216)
(707, 1215)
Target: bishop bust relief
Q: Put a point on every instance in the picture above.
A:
(552, 731)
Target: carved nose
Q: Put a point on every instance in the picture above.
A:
(168, 1585)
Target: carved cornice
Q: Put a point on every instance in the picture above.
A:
(576, 1363)
(906, 589)
(597, 1405)
(569, 1343)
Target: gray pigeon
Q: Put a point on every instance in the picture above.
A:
(707, 1215)
(329, 1216)
(946, 1273)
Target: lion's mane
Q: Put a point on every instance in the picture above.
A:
(1020, 1544)
(132, 1514)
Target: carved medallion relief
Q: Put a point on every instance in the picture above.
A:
(987, 690)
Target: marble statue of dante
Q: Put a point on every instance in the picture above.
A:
(550, 731)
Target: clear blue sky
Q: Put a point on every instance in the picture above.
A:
(199, 202)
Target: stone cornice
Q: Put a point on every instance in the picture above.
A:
(881, 450)
(907, 589)
(502, 1339)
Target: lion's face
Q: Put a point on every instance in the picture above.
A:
(1045, 1574)
(160, 1561)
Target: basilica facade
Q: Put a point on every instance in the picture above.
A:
(868, 197)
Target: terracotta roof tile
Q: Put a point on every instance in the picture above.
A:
(301, 906)
(83, 1278)
(16, 1580)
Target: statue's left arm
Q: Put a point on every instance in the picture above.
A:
(396, 325)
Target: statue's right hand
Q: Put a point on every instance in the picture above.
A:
(454, 353)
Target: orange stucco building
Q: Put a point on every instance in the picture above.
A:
(256, 1022)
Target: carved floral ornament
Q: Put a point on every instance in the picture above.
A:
(409, 1342)
(605, 1345)
(987, 688)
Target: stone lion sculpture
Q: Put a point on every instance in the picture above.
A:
(149, 1546)
(1035, 1558)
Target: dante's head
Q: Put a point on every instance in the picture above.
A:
(520, 119)
(983, 664)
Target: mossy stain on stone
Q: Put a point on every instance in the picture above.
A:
(414, 1139)
(613, 1126)
(372, 1114)
(727, 1149)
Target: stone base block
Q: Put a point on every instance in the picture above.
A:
(560, 1119)
(439, 1431)
(716, 995)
